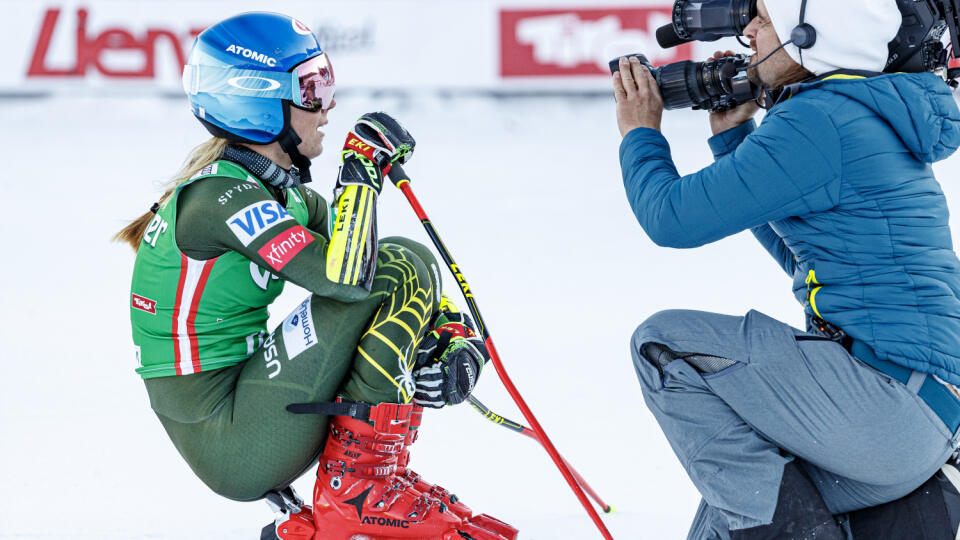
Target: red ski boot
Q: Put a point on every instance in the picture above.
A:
(488, 523)
(358, 494)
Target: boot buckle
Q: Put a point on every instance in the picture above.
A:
(335, 467)
(392, 493)
(420, 507)
(343, 436)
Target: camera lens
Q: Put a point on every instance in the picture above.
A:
(715, 85)
(679, 84)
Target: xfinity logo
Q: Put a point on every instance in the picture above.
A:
(249, 223)
(278, 251)
(253, 55)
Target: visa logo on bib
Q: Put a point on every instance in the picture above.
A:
(249, 223)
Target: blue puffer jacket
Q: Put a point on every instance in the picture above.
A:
(836, 184)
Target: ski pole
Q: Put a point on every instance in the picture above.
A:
(524, 430)
(400, 178)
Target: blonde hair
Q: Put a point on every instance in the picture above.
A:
(202, 155)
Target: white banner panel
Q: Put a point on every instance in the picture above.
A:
(487, 45)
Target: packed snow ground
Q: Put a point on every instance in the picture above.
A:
(527, 195)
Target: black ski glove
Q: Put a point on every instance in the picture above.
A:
(380, 138)
(449, 361)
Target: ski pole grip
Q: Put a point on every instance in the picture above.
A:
(397, 175)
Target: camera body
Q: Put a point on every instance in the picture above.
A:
(917, 47)
(717, 85)
(722, 84)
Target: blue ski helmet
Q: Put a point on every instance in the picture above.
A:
(245, 72)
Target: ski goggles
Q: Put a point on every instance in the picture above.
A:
(316, 82)
(310, 85)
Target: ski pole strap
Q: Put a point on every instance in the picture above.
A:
(386, 418)
(353, 409)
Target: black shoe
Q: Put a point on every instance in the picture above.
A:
(801, 513)
(930, 512)
(949, 479)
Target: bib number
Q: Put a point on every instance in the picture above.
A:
(156, 227)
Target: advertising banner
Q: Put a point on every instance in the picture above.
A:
(127, 47)
(580, 42)
(117, 47)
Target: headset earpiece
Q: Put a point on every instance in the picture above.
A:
(803, 36)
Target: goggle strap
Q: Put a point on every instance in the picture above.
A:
(242, 82)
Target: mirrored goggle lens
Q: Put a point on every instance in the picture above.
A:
(316, 83)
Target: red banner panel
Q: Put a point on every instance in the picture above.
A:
(563, 42)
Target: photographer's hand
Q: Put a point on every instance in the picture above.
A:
(639, 103)
(722, 121)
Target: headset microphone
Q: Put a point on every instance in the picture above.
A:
(765, 58)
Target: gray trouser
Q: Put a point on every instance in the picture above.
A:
(738, 397)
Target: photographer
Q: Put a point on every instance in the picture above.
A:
(781, 429)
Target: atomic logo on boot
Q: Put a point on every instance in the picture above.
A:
(387, 522)
(357, 502)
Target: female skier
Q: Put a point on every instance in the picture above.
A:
(216, 250)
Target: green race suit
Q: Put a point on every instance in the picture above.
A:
(212, 260)
(182, 326)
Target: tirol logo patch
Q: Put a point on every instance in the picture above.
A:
(299, 333)
(283, 247)
(249, 223)
(144, 304)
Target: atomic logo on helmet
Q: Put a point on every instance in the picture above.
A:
(253, 55)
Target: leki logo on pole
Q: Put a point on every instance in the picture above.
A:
(462, 281)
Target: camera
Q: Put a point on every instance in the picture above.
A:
(918, 46)
(717, 85)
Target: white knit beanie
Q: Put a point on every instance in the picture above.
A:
(851, 34)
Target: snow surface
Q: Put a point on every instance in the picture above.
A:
(525, 192)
